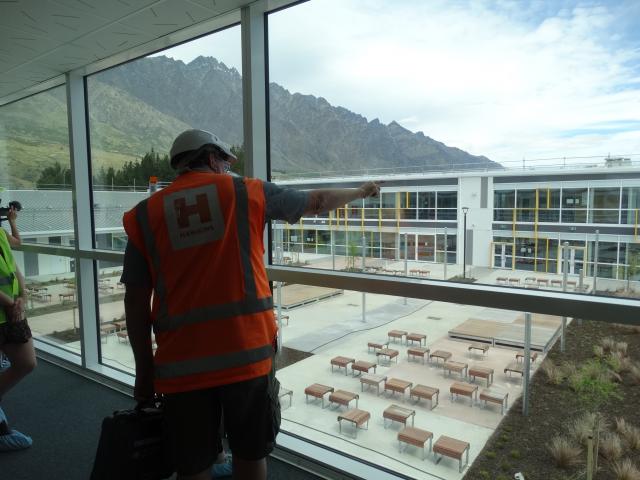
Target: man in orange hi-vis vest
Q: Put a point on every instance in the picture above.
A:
(194, 271)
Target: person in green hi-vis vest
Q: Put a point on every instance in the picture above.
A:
(15, 339)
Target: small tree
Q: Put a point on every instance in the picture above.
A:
(633, 268)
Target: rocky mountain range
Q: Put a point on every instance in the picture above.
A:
(307, 133)
(144, 104)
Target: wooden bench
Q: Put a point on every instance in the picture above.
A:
(452, 448)
(442, 354)
(515, 367)
(542, 282)
(376, 346)
(533, 356)
(483, 347)
(428, 393)
(417, 352)
(363, 367)
(341, 362)
(371, 379)
(397, 385)
(419, 272)
(529, 280)
(501, 280)
(465, 389)
(399, 414)
(459, 367)
(501, 398)
(556, 283)
(482, 372)
(355, 417)
(396, 334)
(416, 437)
(389, 353)
(317, 390)
(123, 336)
(514, 281)
(342, 397)
(416, 337)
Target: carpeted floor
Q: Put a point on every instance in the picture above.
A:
(63, 412)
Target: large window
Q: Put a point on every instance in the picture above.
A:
(137, 109)
(35, 167)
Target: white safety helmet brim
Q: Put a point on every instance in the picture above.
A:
(192, 140)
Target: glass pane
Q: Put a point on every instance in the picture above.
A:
(114, 341)
(35, 168)
(52, 308)
(136, 110)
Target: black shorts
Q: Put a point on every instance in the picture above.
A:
(251, 421)
(14, 332)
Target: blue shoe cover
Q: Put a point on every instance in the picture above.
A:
(14, 441)
(220, 470)
(4, 362)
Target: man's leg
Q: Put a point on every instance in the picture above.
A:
(193, 419)
(250, 418)
(23, 360)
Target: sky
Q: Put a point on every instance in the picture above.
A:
(510, 80)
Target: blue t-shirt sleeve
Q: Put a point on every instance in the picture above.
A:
(135, 270)
(284, 203)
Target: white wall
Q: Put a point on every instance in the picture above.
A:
(478, 219)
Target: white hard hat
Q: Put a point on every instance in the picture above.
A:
(191, 140)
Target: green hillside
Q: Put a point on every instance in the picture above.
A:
(34, 134)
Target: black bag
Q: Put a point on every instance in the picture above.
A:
(133, 446)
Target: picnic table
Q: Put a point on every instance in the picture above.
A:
(399, 414)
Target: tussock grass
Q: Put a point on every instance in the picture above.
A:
(564, 452)
(552, 371)
(626, 470)
(611, 446)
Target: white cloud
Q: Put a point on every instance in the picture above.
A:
(502, 79)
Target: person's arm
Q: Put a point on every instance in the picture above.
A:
(20, 302)
(14, 239)
(137, 308)
(325, 200)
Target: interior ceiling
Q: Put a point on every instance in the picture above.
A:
(42, 39)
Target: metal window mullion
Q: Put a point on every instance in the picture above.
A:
(254, 89)
(82, 217)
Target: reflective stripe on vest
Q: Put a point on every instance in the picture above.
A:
(251, 304)
(213, 363)
(8, 280)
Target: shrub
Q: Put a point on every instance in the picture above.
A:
(626, 470)
(631, 436)
(552, 371)
(610, 447)
(564, 453)
(593, 383)
(608, 343)
(515, 454)
(618, 362)
(634, 371)
(490, 454)
(505, 466)
(621, 425)
(621, 348)
(598, 351)
(484, 475)
(585, 425)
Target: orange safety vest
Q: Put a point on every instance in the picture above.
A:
(212, 310)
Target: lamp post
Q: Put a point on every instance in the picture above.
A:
(465, 210)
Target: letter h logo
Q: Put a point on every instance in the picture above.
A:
(184, 211)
